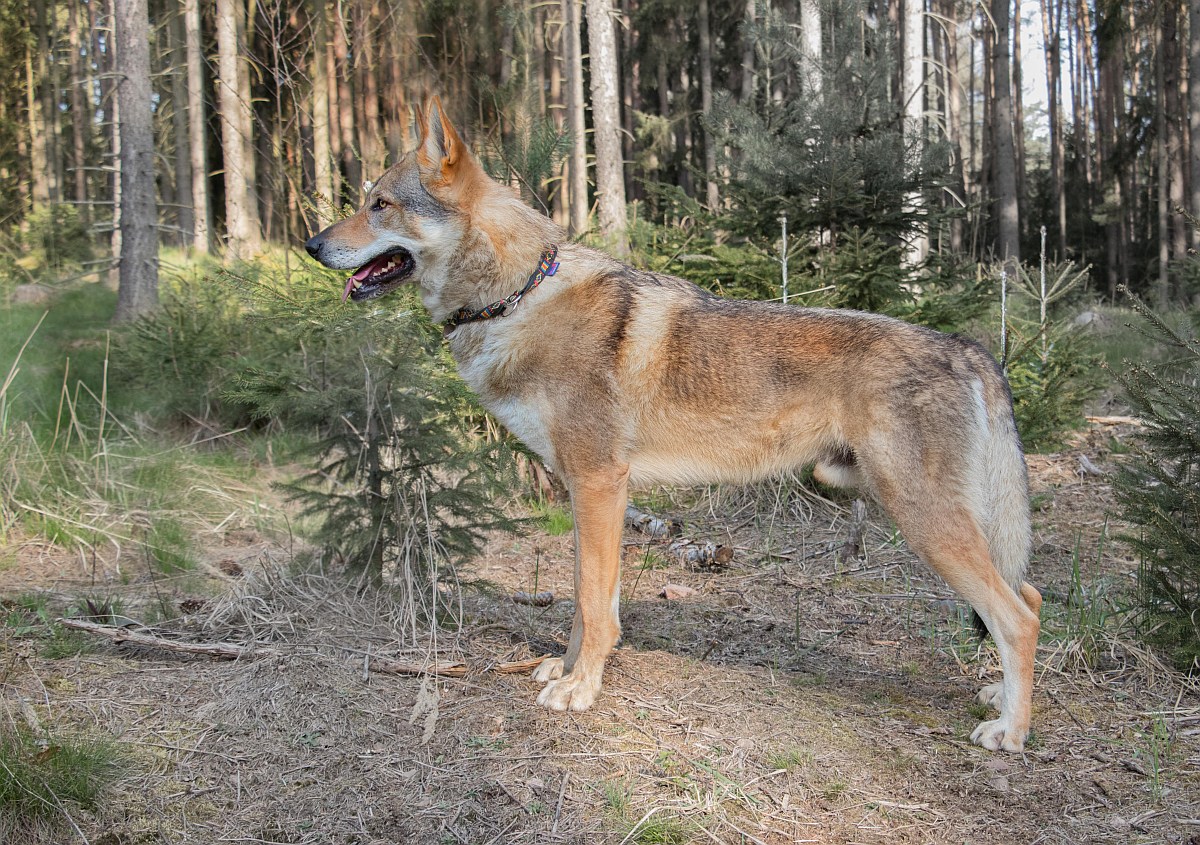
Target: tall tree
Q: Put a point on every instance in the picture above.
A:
(606, 123)
(1051, 13)
(1004, 174)
(913, 94)
(184, 207)
(322, 149)
(80, 113)
(241, 205)
(197, 129)
(573, 57)
(1194, 101)
(137, 292)
(810, 44)
(711, 195)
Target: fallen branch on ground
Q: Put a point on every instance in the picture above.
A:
(231, 651)
(225, 651)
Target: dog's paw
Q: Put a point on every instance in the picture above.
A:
(549, 669)
(571, 692)
(999, 735)
(991, 696)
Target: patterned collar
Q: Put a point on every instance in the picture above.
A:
(548, 266)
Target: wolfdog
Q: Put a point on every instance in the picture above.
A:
(617, 377)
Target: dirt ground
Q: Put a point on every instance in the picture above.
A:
(793, 697)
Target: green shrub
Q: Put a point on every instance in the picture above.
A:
(1051, 366)
(1159, 489)
(57, 237)
(40, 780)
(400, 481)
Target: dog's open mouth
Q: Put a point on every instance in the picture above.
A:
(378, 276)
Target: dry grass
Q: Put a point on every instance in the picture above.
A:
(793, 698)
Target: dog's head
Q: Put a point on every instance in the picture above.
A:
(413, 220)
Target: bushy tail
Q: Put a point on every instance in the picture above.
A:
(1006, 522)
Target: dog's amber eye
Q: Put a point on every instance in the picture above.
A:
(381, 204)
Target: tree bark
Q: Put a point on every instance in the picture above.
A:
(1173, 88)
(1162, 287)
(242, 226)
(137, 292)
(749, 51)
(345, 108)
(246, 19)
(1008, 244)
(197, 130)
(810, 45)
(954, 120)
(606, 123)
(1018, 113)
(322, 153)
(573, 55)
(81, 117)
(555, 42)
(179, 126)
(40, 169)
(1194, 101)
(913, 95)
(711, 194)
(1051, 11)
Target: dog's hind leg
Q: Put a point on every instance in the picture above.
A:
(598, 502)
(933, 498)
(949, 539)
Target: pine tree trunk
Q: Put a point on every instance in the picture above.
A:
(560, 199)
(114, 124)
(1051, 11)
(810, 35)
(749, 51)
(137, 293)
(711, 195)
(606, 123)
(629, 81)
(179, 127)
(367, 64)
(1018, 112)
(81, 117)
(197, 130)
(1194, 101)
(1162, 287)
(246, 19)
(1008, 245)
(1173, 86)
(573, 55)
(954, 119)
(47, 71)
(913, 95)
(241, 208)
(345, 109)
(322, 154)
(1110, 58)
(39, 162)
(333, 78)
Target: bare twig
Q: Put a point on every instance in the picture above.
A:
(225, 651)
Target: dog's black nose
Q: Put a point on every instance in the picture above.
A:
(313, 245)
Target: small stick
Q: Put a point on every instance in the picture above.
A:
(225, 651)
(562, 790)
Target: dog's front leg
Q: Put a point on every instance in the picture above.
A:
(599, 505)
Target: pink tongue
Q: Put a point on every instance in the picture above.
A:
(360, 275)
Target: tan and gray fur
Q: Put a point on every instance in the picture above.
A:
(619, 377)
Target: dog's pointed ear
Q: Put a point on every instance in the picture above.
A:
(441, 149)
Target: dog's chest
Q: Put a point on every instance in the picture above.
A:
(492, 369)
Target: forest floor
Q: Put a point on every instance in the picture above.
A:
(792, 697)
